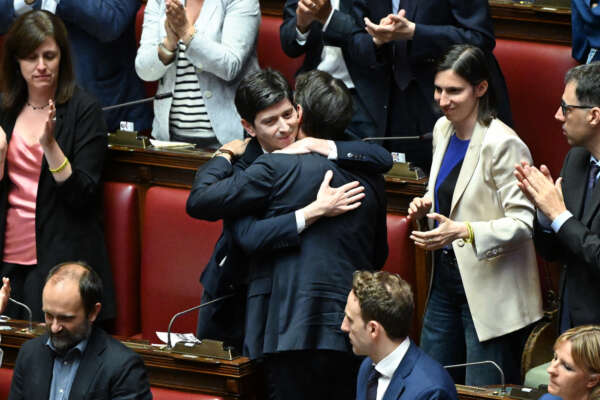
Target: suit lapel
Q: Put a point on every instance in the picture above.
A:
(575, 186)
(411, 8)
(397, 384)
(469, 163)
(44, 370)
(89, 366)
(436, 162)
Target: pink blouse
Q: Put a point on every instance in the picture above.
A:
(23, 166)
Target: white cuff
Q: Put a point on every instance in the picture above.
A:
(333, 154)
(50, 5)
(560, 220)
(328, 19)
(300, 221)
(21, 7)
(301, 37)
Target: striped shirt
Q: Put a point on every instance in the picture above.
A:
(188, 116)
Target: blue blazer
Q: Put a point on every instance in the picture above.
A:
(102, 37)
(585, 26)
(369, 87)
(292, 304)
(418, 377)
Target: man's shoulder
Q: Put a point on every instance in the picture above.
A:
(428, 376)
(114, 350)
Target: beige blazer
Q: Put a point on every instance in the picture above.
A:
(499, 270)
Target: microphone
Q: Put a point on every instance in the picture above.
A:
(425, 136)
(160, 96)
(179, 314)
(503, 390)
(29, 313)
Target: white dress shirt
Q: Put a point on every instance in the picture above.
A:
(49, 5)
(388, 366)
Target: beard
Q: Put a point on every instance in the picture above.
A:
(65, 340)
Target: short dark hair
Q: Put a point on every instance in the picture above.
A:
(587, 80)
(386, 298)
(25, 35)
(259, 91)
(90, 284)
(470, 63)
(326, 105)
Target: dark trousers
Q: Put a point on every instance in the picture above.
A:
(26, 283)
(410, 114)
(311, 374)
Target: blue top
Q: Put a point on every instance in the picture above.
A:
(549, 396)
(64, 370)
(455, 154)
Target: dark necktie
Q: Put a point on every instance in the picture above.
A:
(372, 381)
(594, 168)
(400, 66)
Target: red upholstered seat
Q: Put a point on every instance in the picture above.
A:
(169, 394)
(5, 379)
(534, 74)
(270, 53)
(401, 257)
(121, 230)
(175, 250)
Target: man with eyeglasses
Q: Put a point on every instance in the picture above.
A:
(567, 227)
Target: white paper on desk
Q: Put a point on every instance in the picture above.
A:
(164, 144)
(177, 337)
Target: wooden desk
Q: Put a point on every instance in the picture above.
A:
(237, 379)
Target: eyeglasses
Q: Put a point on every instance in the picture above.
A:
(564, 107)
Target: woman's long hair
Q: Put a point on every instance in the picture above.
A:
(470, 63)
(25, 35)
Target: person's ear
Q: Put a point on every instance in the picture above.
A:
(248, 127)
(481, 89)
(94, 313)
(594, 117)
(300, 111)
(593, 381)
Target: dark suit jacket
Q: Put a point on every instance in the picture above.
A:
(296, 296)
(108, 370)
(367, 82)
(247, 235)
(418, 377)
(439, 25)
(577, 243)
(68, 222)
(585, 26)
(102, 39)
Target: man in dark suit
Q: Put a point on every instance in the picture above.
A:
(266, 96)
(567, 227)
(76, 360)
(321, 30)
(377, 319)
(296, 295)
(408, 37)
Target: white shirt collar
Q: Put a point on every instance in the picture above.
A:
(390, 363)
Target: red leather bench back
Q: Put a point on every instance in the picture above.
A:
(269, 49)
(170, 394)
(122, 234)
(401, 256)
(175, 250)
(534, 74)
(5, 380)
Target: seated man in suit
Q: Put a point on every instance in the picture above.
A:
(567, 224)
(378, 317)
(102, 37)
(296, 295)
(76, 360)
(267, 96)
